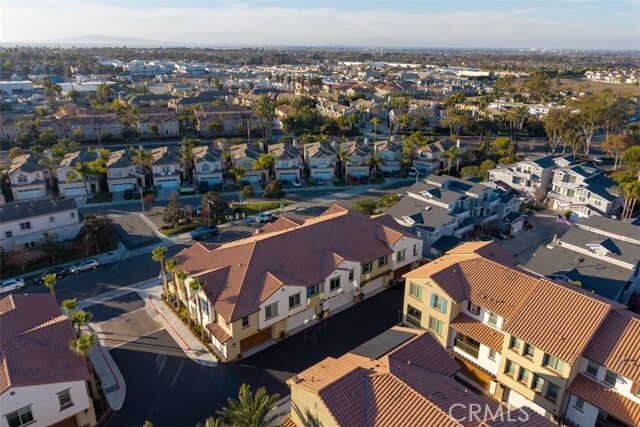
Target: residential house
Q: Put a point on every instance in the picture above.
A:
(289, 163)
(70, 184)
(44, 383)
(334, 109)
(165, 167)
(245, 156)
(292, 273)
(122, 173)
(9, 126)
(531, 176)
(428, 157)
(596, 256)
(478, 304)
(320, 160)
(448, 206)
(208, 165)
(231, 120)
(23, 223)
(369, 109)
(27, 178)
(151, 100)
(359, 154)
(584, 190)
(71, 109)
(391, 155)
(401, 377)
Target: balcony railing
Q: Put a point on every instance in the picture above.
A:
(413, 321)
(486, 219)
(467, 348)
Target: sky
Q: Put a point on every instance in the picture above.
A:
(553, 24)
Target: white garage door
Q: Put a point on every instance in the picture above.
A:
(299, 318)
(287, 176)
(166, 183)
(28, 194)
(518, 401)
(121, 187)
(321, 174)
(75, 191)
(251, 178)
(372, 286)
(338, 301)
(359, 172)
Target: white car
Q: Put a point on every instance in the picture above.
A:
(596, 160)
(296, 182)
(265, 217)
(87, 264)
(11, 285)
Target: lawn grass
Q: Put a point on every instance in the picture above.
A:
(100, 198)
(183, 228)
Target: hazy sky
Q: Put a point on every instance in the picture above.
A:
(582, 24)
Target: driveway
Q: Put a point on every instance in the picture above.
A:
(132, 231)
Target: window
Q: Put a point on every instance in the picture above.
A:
(206, 167)
(529, 350)
(72, 214)
(52, 219)
(523, 375)
(294, 300)
(22, 178)
(65, 399)
(245, 322)
(579, 405)
(383, 261)
(20, 417)
(8, 234)
(271, 310)
(592, 368)
(438, 303)
(367, 267)
(314, 290)
(205, 306)
(415, 291)
(515, 343)
(553, 363)
(552, 392)
(538, 382)
(414, 316)
(492, 354)
(610, 378)
(474, 309)
(493, 319)
(401, 255)
(636, 389)
(435, 325)
(352, 276)
(415, 249)
(25, 226)
(510, 368)
(334, 283)
(30, 245)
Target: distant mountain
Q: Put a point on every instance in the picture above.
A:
(93, 40)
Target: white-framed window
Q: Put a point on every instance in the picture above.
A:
(473, 308)
(415, 291)
(401, 255)
(25, 226)
(8, 234)
(206, 167)
(352, 275)
(334, 283)
(30, 245)
(22, 178)
(245, 322)
(610, 378)
(553, 363)
(537, 383)
(383, 261)
(438, 303)
(435, 325)
(20, 417)
(64, 397)
(523, 375)
(510, 368)
(271, 310)
(493, 319)
(528, 350)
(592, 368)
(416, 246)
(294, 301)
(579, 405)
(515, 343)
(492, 354)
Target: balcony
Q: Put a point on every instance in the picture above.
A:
(485, 220)
(413, 321)
(461, 213)
(464, 227)
(466, 348)
(490, 204)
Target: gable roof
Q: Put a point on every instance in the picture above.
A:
(32, 208)
(25, 163)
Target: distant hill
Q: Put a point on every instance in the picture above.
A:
(93, 40)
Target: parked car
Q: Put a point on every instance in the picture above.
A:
(203, 231)
(286, 183)
(596, 160)
(246, 182)
(87, 264)
(486, 239)
(11, 285)
(60, 272)
(412, 173)
(364, 179)
(353, 180)
(128, 194)
(395, 174)
(204, 186)
(499, 234)
(265, 217)
(386, 174)
(319, 181)
(296, 182)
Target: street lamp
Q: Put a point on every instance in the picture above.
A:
(414, 169)
(209, 212)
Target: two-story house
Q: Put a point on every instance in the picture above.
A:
(293, 273)
(71, 184)
(289, 163)
(359, 153)
(23, 223)
(208, 165)
(320, 160)
(583, 189)
(121, 172)
(164, 167)
(164, 125)
(601, 257)
(27, 178)
(428, 158)
(391, 155)
(44, 383)
(531, 176)
(487, 312)
(245, 156)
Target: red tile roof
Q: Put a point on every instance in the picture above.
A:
(607, 399)
(238, 276)
(34, 339)
(616, 345)
(218, 332)
(478, 331)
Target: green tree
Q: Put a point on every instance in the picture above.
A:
(82, 347)
(455, 118)
(374, 161)
(274, 190)
(631, 159)
(173, 214)
(214, 200)
(265, 162)
(344, 159)
(238, 172)
(70, 306)
(615, 145)
(98, 228)
(365, 206)
(453, 154)
(409, 151)
(79, 319)
(215, 127)
(375, 121)
(15, 152)
(188, 156)
(155, 131)
(388, 200)
(250, 410)
(52, 92)
(247, 192)
(50, 245)
(80, 171)
(64, 147)
(158, 254)
(50, 281)
(103, 93)
(471, 172)
(144, 159)
(48, 137)
(538, 85)
(181, 277)
(502, 145)
(264, 109)
(195, 286)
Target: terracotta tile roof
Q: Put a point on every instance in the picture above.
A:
(478, 331)
(281, 224)
(288, 422)
(218, 332)
(607, 399)
(425, 352)
(34, 340)
(616, 345)
(235, 274)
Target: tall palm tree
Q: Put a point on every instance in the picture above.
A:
(214, 422)
(82, 347)
(50, 281)
(181, 276)
(409, 150)
(453, 154)
(158, 254)
(195, 286)
(189, 157)
(51, 165)
(69, 306)
(343, 158)
(631, 193)
(143, 158)
(81, 170)
(170, 266)
(374, 161)
(250, 410)
(81, 318)
(376, 121)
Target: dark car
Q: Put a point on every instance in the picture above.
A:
(216, 187)
(128, 194)
(246, 182)
(395, 174)
(386, 174)
(286, 183)
(364, 179)
(498, 234)
(204, 186)
(203, 231)
(353, 180)
(58, 271)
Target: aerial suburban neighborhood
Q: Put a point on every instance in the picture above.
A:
(243, 228)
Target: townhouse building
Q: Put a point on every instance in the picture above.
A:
(359, 154)
(369, 109)
(293, 273)
(447, 206)
(584, 190)
(320, 160)
(531, 176)
(208, 166)
(27, 178)
(70, 184)
(401, 377)
(23, 223)
(233, 120)
(487, 312)
(428, 158)
(122, 173)
(289, 164)
(165, 167)
(335, 109)
(391, 155)
(600, 256)
(9, 126)
(44, 383)
(164, 125)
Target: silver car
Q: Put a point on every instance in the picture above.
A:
(11, 285)
(87, 264)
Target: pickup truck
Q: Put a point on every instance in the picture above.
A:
(203, 232)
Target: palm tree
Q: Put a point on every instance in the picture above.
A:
(158, 254)
(376, 121)
(374, 161)
(265, 162)
(238, 172)
(214, 422)
(409, 151)
(181, 276)
(50, 281)
(69, 306)
(81, 318)
(51, 164)
(82, 347)
(195, 287)
(249, 410)
(343, 158)
(215, 127)
(631, 193)
(64, 147)
(188, 156)
(81, 170)
(452, 154)
(143, 158)
(169, 267)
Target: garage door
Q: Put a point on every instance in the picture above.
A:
(251, 178)
(255, 339)
(28, 194)
(166, 183)
(359, 172)
(75, 191)
(299, 318)
(287, 175)
(518, 401)
(343, 299)
(121, 187)
(374, 285)
(324, 175)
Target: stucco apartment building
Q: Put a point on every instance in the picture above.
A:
(43, 382)
(292, 273)
(528, 340)
(531, 176)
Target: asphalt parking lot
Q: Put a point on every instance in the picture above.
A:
(132, 231)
